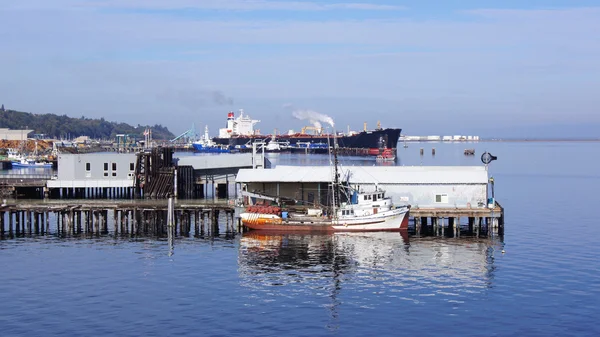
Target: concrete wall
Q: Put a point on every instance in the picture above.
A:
(424, 195)
(416, 195)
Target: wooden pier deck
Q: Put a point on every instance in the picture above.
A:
(125, 217)
(437, 220)
(199, 217)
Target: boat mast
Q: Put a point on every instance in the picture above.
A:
(335, 182)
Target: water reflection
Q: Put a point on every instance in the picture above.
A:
(365, 267)
(28, 171)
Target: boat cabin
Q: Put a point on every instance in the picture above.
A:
(365, 203)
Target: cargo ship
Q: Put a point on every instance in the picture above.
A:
(239, 133)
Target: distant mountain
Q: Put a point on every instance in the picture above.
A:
(55, 126)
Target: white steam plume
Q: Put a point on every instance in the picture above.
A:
(315, 118)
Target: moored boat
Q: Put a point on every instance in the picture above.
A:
(30, 163)
(206, 145)
(240, 130)
(362, 211)
(375, 214)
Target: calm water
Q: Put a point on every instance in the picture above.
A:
(547, 283)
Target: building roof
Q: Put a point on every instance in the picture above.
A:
(223, 160)
(369, 174)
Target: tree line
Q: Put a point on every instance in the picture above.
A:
(55, 126)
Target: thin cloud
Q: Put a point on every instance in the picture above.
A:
(531, 62)
(244, 5)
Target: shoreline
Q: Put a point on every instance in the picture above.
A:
(521, 140)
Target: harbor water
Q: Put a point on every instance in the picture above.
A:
(539, 279)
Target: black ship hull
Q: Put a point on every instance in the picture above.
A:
(365, 140)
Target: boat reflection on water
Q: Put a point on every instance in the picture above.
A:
(361, 268)
(387, 250)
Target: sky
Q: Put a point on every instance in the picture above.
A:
(490, 68)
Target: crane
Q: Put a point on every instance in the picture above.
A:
(189, 135)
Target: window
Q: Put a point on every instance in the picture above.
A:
(114, 166)
(114, 174)
(366, 198)
(441, 198)
(105, 167)
(88, 167)
(131, 166)
(106, 174)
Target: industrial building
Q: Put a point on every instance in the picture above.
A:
(94, 170)
(420, 186)
(8, 134)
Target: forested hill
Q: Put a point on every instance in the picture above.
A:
(55, 126)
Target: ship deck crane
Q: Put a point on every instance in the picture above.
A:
(317, 131)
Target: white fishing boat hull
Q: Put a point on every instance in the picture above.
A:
(30, 164)
(393, 220)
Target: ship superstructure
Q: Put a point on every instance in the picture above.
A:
(241, 126)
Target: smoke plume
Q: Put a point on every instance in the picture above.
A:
(191, 98)
(221, 99)
(315, 118)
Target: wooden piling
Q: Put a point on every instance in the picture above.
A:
(10, 222)
(2, 224)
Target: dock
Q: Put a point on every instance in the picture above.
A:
(200, 219)
(119, 218)
(127, 192)
(452, 221)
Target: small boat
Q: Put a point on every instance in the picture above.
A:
(199, 147)
(30, 163)
(205, 145)
(363, 211)
(273, 145)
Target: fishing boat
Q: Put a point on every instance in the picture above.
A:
(362, 211)
(20, 160)
(30, 163)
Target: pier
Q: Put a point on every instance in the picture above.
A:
(150, 219)
(451, 221)
(120, 218)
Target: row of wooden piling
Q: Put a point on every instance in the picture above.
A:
(474, 226)
(90, 193)
(133, 221)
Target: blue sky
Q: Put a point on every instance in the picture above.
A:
(428, 67)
